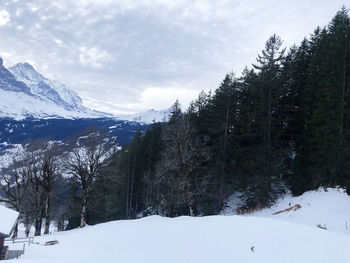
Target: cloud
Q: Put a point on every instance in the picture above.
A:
(58, 41)
(93, 57)
(164, 97)
(4, 17)
(126, 56)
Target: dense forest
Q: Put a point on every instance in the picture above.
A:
(282, 125)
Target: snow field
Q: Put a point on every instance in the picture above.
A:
(287, 237)
(328, 208)
(185, 239)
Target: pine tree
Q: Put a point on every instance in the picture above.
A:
(221, 118)
(269, 70)
(328, 123)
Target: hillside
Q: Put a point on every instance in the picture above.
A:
(35, 107)
(213, 238)
(326, 207)
(24, 131)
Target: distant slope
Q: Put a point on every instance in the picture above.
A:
(148, 117)
(35, 107)
(23, 131)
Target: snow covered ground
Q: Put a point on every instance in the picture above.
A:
(329, 208)
(289, 236)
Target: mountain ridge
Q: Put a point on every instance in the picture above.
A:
(45, 88)
(29, 94)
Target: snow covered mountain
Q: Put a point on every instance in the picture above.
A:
(54, 91)
(9, 83)
(148, 117)
(26, 93)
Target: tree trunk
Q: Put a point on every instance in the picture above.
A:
(132, 186)
(47, 215)
(27, 231)
(223, 162)
(127, 191)
(38, 223)
(191, 204)
(15, 231)
(60, 225)
(83, 211)
(147, 175)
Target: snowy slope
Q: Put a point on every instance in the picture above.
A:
(289, 236)
(326, 207)
(46, 89)
(148, 117)
(19, 105)
(184, 239)
(8, 82)
(26, 93)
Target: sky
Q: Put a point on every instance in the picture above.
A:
(128, 56)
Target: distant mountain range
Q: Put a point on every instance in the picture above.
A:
(26, 93)
(35, 107)
(148, 117)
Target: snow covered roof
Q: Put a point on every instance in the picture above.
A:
(8, 218)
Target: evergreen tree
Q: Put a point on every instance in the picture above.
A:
(268, 117)
(222, 117)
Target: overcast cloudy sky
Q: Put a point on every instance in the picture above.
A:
(127, 56)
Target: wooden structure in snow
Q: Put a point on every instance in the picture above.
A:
(8, 220)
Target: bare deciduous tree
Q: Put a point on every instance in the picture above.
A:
(84, 163)
(182, 158)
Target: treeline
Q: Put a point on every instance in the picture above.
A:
(283, 125)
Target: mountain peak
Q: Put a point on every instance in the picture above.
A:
(26, 71)
(46, 89)
(25, 65)
(1, 62)
(28, 93)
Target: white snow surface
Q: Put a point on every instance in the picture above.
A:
(18, 105)
(287, 237)
(8, 218)
(326, 207)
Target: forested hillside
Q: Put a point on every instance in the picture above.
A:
(282, 125)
